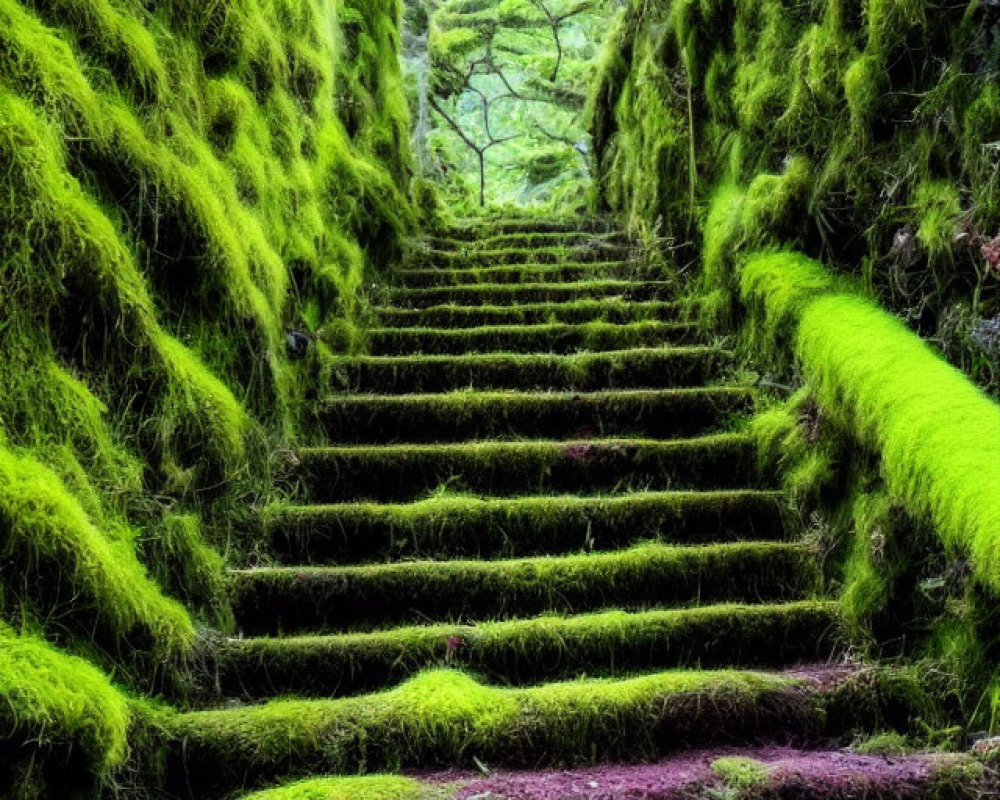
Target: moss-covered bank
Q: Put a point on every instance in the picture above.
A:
(182, 185)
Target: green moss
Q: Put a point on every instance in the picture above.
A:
(889, 743)
(368, 788)
(47, 529)
(938, 209)
(59, 701)
(547, 338)
(741, 774)
(445, 717)
(409, 471)
(486, 293)
(532, 650)
(934, 430)
(613, 310)
(641, 368)
(438, 528)
(268, 600)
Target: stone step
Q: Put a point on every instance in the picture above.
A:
(581, 311)
(469, 527)
(644, 368)
(461, 416)
(525, 273)
(445, 719)
(477, 230)
(533, 240)
(580, 255)
(274, 600)
(547, 338)
(388, 473)
(511, 293)
(518, 652)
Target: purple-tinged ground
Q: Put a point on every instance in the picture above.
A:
(832, 775)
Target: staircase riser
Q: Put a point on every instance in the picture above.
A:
(771, 637)
(456, 418)
(407, 474)
(534, 240)
(563, 341)
(354, 533)
(446, 277)
(508, 294)
(530, 314)
(334, 600)
(644, 369)
(581, 254)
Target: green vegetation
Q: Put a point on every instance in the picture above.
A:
(181, 185)
(391, 473)
(741, 774)
(62, 704)
(445, 717)
(501, 88)
(643, 576)
(533, 650)
(619, 369)
(439, 527)
(370, 788)
(776, 137)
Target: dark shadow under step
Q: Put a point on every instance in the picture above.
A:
(594, 252)
(507, 240)
(323, 599)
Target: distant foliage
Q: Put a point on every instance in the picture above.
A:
(507, 83)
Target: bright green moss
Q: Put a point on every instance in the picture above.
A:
(50, 697)
(864, 85)
(741, 774)
(46, 525)
(935, 431)
(938, 208)
(368, 788)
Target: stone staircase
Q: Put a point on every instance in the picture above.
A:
(537, 538)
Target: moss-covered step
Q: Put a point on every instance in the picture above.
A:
(525, 651)
(446, 719)
(507, 240)
(470, 527)
(482, 229)
(510, 293)
(580, 311)
(592, 253)
(763, 772)
(558, 338)
(525, 273)
(387, 473)
(459, 416)
(358, 598)
(640, 368)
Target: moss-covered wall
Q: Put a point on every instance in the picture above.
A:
(181, 184)
(884, 114)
